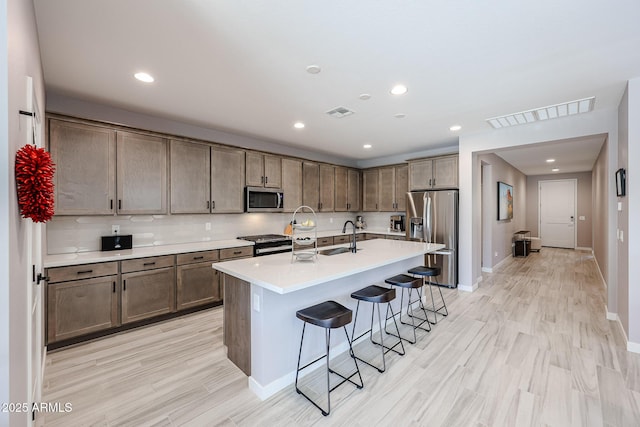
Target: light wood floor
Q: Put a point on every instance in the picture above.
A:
(531, 347)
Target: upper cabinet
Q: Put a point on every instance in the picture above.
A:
(435, 173)
(347, 190)
(190, 177)
(206, 179)
(91, 160)
(141, 174)
(227, 180)
(292, 183)
(327, 188)
(85, 159)
(385, 189)
(310, 185)
(263, 170)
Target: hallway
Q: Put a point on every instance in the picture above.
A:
(531, 347)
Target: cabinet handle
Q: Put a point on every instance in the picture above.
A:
(85, 271)
(208, 205)
(262, 180)
(114, 287)
(111, 204)
(213, 204)
(237, 252)
(198, 257)
(119, 203)
(148, 264)
(124, 285)
(434, 182)
(266, 179)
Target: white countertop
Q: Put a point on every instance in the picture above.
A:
(61, 260)
(278, 274)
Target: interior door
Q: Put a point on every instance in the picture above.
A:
(31, 133)
(557, 213)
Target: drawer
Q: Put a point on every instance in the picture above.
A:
(345, 238)
(388, 237)
(325, 241)
(242, 252)
(360, 237)
(192, 257)
(150, 263)
(83, 271)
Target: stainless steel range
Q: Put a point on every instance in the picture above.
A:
(267, 244)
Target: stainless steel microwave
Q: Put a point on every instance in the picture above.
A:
(259, 199)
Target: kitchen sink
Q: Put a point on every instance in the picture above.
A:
(335, 251)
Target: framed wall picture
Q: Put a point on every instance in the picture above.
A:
(621, 182)
(505, 201)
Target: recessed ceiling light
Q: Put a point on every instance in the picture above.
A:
(455, 128)
(144, 77)
(366, 146)
(298, 125)
(400, 115)
(399, 90)
(365, 96)
(555, 170)
(551, 160)
(313, 69)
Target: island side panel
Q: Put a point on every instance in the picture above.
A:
(237, 322)
(276, 329)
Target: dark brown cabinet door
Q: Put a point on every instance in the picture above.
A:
(85, 159)
(311, 185)
(342, 183)
(147, 294)
(327, 188)
(370, 190)
(190, 177)
(141, 174)
(198, 284)
(402, 186)
(81, 307)
(292, 183)
(354, 195)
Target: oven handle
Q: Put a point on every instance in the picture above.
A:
(264, 251)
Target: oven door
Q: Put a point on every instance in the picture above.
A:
(262, 249)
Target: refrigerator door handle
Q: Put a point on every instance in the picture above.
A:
(428, 220)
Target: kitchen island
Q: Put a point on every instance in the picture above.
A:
(262, 295)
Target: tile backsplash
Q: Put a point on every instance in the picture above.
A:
(69, 234)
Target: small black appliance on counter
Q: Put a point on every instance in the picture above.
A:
(117, 242)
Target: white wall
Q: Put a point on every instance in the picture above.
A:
(632, 238)
(5, 247)
(596, 122)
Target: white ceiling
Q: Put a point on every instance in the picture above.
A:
(239, 66)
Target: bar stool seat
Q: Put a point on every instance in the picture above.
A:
(409, 283)
(427, 273)
(377, 295)
(328, 315)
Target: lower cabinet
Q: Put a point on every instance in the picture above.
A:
(196, 282)
(148, 294)
(89, 299)
(81, 307)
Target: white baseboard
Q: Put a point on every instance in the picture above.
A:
(580, 248)
(466, 288)
(487, 270)
(633, 347)
(604, 282)
(612, 316)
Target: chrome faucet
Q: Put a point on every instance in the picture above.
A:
(352, 247)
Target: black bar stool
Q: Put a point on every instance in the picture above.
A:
(377, 295)
(409, 283)
(427, 273)
(328, 315)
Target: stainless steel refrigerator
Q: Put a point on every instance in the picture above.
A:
(432, 217)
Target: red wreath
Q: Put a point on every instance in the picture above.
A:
(34, 178)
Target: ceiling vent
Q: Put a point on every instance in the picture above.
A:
(543, 113)
(340, 112)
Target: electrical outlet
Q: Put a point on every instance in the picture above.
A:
(207, 226)
(115, 229)
(495, 254)
(330, 220)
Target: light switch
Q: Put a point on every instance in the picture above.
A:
(621, 236)
(581, 218)
(620, 206)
